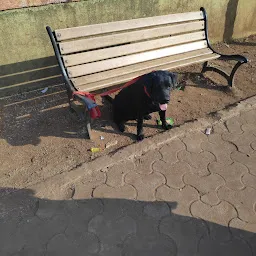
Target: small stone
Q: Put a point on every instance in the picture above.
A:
(111, 143)
(208, 131)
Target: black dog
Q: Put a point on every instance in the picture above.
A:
(150, 93)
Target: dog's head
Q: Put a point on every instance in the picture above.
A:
(159, 85)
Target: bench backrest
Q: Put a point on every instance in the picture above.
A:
(101, 55)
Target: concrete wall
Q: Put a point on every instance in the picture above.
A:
(26, 53)
(245, 23)
(14, 4)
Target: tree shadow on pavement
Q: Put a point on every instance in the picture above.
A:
(101, 226)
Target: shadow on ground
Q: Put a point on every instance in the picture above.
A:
(33, 226)
(27, 117)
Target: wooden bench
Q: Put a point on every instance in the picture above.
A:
(99, 56)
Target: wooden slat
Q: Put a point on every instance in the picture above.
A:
(85, 57)
(127, 37)
(89, 30)
(140, 66)
(122, 79)
(103, 65)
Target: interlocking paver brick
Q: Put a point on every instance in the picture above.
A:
(220, 214)
(116, 173)
(193, 141)
(185, 234)
(111, 232)
(145, 185)
(80, 212)
(210, 198)
(248, 160)
(232, 174)
(244, 201)
(244, 230)
(221, 151)
(253, 145)
(105, 191)
(234, 124)
(249, 116)
(242, 141)
(205, 185)
(85, 186)
(147, 225)
(149, 246)
(84, 242)
(145, 162)
(238, 228)
(185, 197)
(47, 209)
(8, 239)
(29, 251)
(34, 232)
(17, 205)
(173, 172)
(198, 161)
(62, 245)
(215, 138)
(11, 240)
(170, 151)
(156, 211)
(249, 128)
(213, 247)
(249, 180)
(219, 128)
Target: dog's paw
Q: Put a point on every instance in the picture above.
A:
(167, 126)
(147, 117)
(121, 127)
(140, 137)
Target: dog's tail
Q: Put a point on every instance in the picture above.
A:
(108, 98)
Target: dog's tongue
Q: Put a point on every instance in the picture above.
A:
(163, 106)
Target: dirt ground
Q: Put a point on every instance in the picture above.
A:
(40, 138)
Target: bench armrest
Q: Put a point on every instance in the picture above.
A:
(238, 58)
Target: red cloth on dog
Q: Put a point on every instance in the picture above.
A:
(94, 112)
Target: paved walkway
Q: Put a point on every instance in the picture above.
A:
(195, 195)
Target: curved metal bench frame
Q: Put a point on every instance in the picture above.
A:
(239, 58)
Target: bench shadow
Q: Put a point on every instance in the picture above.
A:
(243, 43)
(200, 80)
(109, 226)
(20, 77)
(24, 118)
(27, 117)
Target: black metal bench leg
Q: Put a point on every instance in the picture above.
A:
(228, 77)
(83, 114)
(88, 124)
(204, 66)
(231, 79)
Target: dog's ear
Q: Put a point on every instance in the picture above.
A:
(174, 79)
(150, 81)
